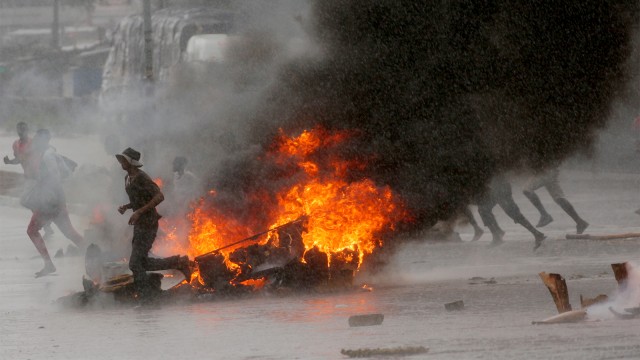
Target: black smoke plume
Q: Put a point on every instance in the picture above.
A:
(446, 94)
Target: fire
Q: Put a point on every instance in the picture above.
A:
(345, 219)
(159, 182)
(342, 215)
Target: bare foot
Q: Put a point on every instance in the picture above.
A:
(477, 234)
(545, 220)
(581, 227)
(539, 240)
(48, 268)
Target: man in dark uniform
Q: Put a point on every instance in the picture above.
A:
(500, 194)
(144, 196)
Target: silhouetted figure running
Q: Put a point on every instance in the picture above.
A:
(477, 230)
(550, 181)
(500, 194)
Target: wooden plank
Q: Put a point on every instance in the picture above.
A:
(621, 274)
(602, 237)
(558, 288)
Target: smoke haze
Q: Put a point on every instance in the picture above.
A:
(442, 96)
(445, 95)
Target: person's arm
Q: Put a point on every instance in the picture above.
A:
(157, 198)
(15, 160)
(124, 208)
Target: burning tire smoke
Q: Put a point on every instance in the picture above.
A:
(442, 96)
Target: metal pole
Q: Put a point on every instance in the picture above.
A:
(148, 42)
(55, 27)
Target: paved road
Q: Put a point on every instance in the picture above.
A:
(495, 324)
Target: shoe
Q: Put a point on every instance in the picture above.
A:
(539, 240)
(545, 220)
(49, 268)
(581, 227)
(185, 268)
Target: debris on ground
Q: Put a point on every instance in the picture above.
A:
(586, 302)
(366, 320)
(399, 351)
(602, 237)
(558, 288)
(631, 313)
(621, 273)
(565, 317)
(454, 306)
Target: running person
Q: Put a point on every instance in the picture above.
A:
(144, 195)
(549, 180)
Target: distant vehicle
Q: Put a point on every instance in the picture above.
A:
(207, 48)
(179, 35)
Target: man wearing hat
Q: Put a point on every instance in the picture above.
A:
(144, 196)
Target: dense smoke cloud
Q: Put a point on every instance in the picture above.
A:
(444, 95)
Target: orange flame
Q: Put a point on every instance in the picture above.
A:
(341, 214)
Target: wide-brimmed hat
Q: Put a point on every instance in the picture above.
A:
(131, 156)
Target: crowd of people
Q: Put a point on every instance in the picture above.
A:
(45, 170)
(44, 195)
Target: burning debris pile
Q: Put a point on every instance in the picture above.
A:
(323, 227)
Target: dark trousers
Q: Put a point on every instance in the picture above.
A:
(500, 194)
(140, 262)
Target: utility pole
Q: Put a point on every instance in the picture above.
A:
(55, 26)
(148, 42)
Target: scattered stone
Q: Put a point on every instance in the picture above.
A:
(454, 306)
(366, 320)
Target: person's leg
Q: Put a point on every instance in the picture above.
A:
(477, 230)
(140, 262)
(141, 244)
(529, 191)
(33, 230)
(63, 223)
(486, 214)
(511, 209)
(48, 231)
(557, 194)
(545, 218)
